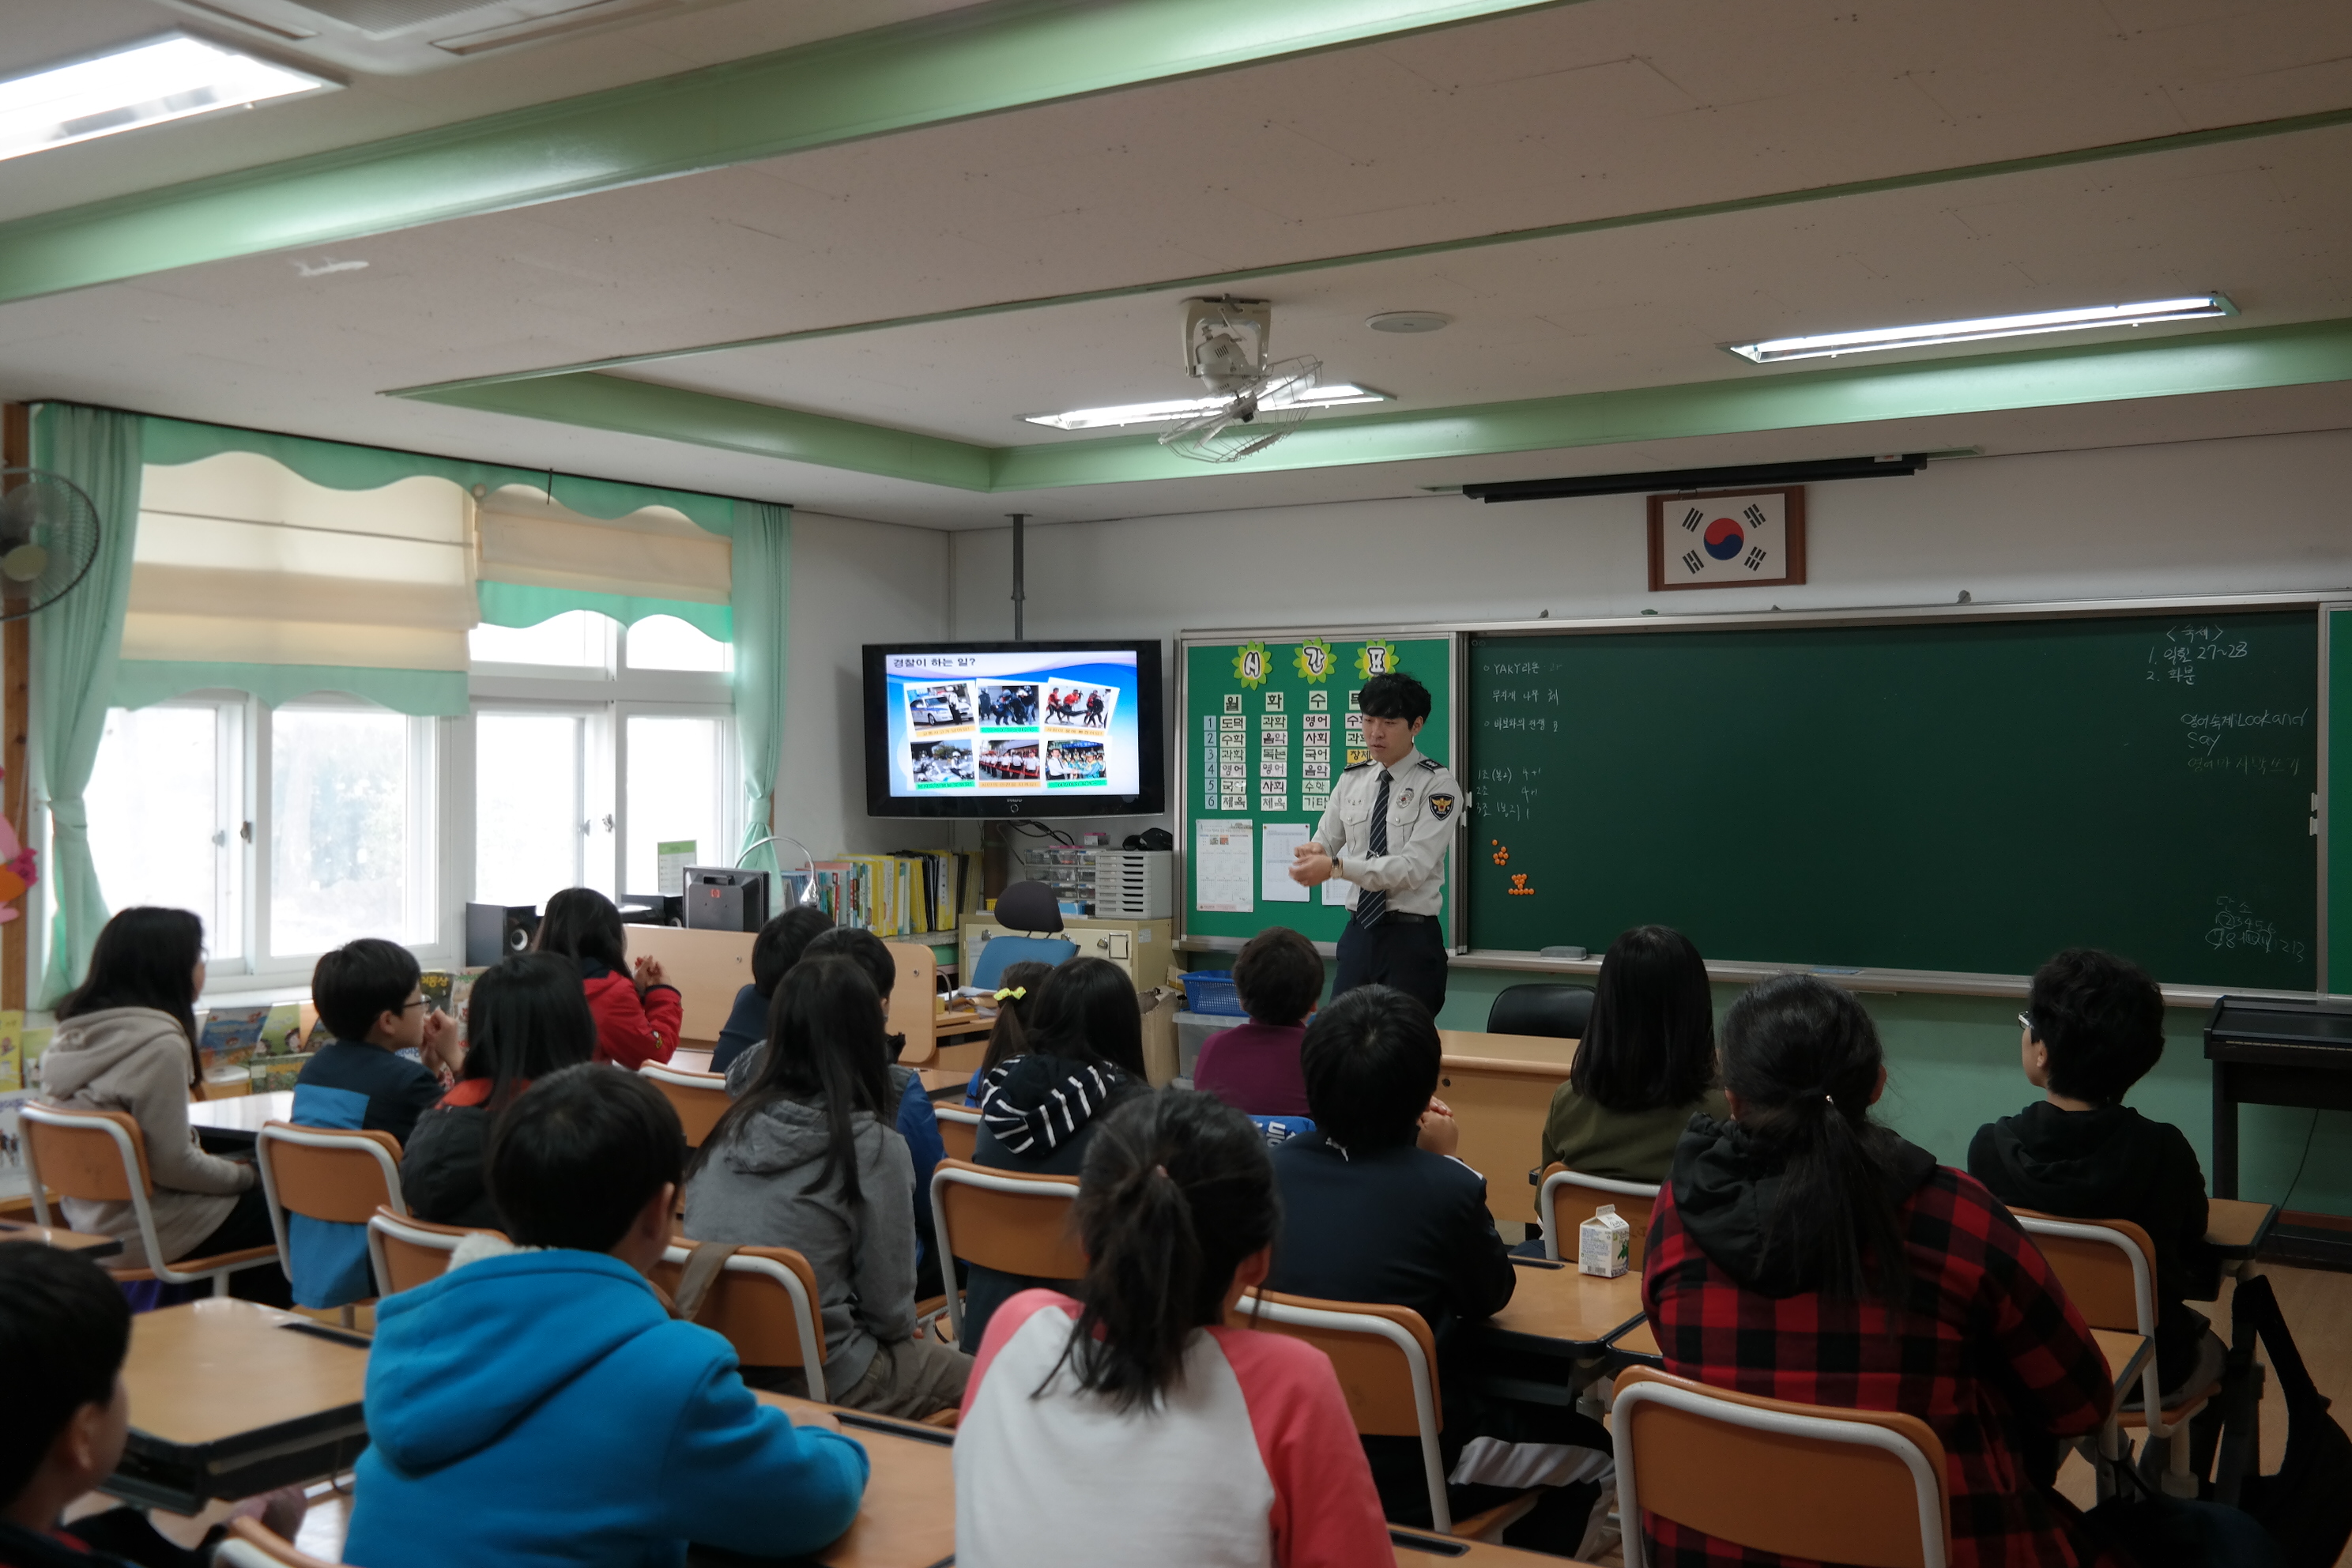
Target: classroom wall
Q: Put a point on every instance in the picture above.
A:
(853, 582)
(2239, 515)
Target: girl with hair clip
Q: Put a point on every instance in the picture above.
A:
(637, 1011)
(1645, 1065)
(1008, 1037)
(1803, 1252)
(808, 1158)
(1247, 1435)
(1039, 1110)
(525, 1018)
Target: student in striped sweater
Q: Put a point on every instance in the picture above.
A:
(1247, 1435)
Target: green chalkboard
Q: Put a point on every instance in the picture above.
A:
(1964, 795)
(1251, 710)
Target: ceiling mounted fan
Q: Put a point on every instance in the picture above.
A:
(1262, 400)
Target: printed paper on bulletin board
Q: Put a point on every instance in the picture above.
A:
(1264, 735)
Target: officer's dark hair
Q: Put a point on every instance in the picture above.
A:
(782, 942)
(360, 982)
(64, 1330)
(578, 1156)
(2103, 1019)
(1371, 1061)
(1279, 975)
(1395, 695)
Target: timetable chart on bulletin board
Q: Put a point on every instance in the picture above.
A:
(1270, 723)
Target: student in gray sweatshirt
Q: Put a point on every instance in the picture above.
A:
(808, 1158)
(126, 1041)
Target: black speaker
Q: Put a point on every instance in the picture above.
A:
(495, 930)
(721, 898)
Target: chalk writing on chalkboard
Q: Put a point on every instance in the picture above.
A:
(2186, 646)
(2236, 925)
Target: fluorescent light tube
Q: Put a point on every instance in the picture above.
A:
(1337, 397)
(1877, 339)
(170, 78)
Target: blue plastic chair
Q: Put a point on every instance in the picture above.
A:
(999, 953)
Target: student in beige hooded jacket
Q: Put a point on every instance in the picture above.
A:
(126, 1041)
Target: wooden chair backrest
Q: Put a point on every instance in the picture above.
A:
(699, 1098)
(1734, 1468)
(1026, 1232)
(750, 1309)
(84, 1160)
(914, 1000)
(1374, 1372)
(1573, 1202)
(959, 1130)
(347, 1184)
(416, 1252)
(2097, 1274)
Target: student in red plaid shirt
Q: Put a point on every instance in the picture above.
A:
(1801, 1252)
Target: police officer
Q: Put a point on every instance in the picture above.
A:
(1389, 822)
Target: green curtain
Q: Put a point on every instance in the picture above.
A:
(77, 643)
(427, 693)
(527, 604)
(762, 593)
(340, 466)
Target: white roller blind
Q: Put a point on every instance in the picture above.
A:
(652, 553)
(239, 560)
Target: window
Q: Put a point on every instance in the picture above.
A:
(577, 639)
(678, 773)
(665, 642)
(350, 837)
(531, 822)
(167, 818)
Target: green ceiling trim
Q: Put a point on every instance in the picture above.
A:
(1220, 281)
(979, 60)
(2178, 365)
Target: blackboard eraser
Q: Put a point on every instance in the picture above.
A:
(1563, 952)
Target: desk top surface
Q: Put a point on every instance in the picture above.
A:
(217, 1368)
(244, 1113)
(2236, 1226)
(908, 1519)
(1566, 1305)
(88, 1245)
(1538, 1050)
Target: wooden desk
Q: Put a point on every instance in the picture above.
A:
(80, 1241)
(229, 1399)
(908, 1518)
(690, 1058)
(2237, 1229)
(1500, 1087)
(940, 1082)
(1422, 1549)
(234, 1124)
(1563, 1308)
(707, 966)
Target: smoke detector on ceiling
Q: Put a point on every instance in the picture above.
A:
(404, 37)
(1407, 321)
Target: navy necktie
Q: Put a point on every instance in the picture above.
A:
(1370, 906)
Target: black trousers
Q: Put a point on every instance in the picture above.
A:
(247, 1224)
(1409, 954)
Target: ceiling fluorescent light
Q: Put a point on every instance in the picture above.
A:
(170, 78)
(1337, 397)
(1876, 340)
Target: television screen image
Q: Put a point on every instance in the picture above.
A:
(1012, 728)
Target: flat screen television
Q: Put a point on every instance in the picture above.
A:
(1014, 729)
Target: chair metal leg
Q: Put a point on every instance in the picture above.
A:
(351, 1317)
(220, 1284)
(2113, 1450)
(2178, 1479)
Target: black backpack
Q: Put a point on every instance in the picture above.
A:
(2306, 1506)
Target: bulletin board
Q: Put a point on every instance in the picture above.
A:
(1264, 734)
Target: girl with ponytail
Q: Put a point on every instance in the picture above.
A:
(1802, 1251)
(1247, 1435)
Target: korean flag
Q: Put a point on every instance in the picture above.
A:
(1727, 538)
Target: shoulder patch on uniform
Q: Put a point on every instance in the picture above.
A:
(1432, 764)
(1441, 806)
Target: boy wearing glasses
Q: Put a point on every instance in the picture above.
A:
(2092, 1027)
(380, 1073)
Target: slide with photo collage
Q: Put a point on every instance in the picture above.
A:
(1007, 725)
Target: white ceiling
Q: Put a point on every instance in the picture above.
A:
(1589, 110)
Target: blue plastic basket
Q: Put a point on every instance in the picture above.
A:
(1211, 991)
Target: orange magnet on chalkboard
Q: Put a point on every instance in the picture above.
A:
(1502, 857)
(1519, 888)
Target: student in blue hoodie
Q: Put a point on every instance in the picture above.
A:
(536, 1403)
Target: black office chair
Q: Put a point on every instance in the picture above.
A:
(1548, 1008)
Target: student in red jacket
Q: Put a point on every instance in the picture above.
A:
(637, 1014)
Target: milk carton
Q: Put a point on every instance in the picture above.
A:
(1604, 1244)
